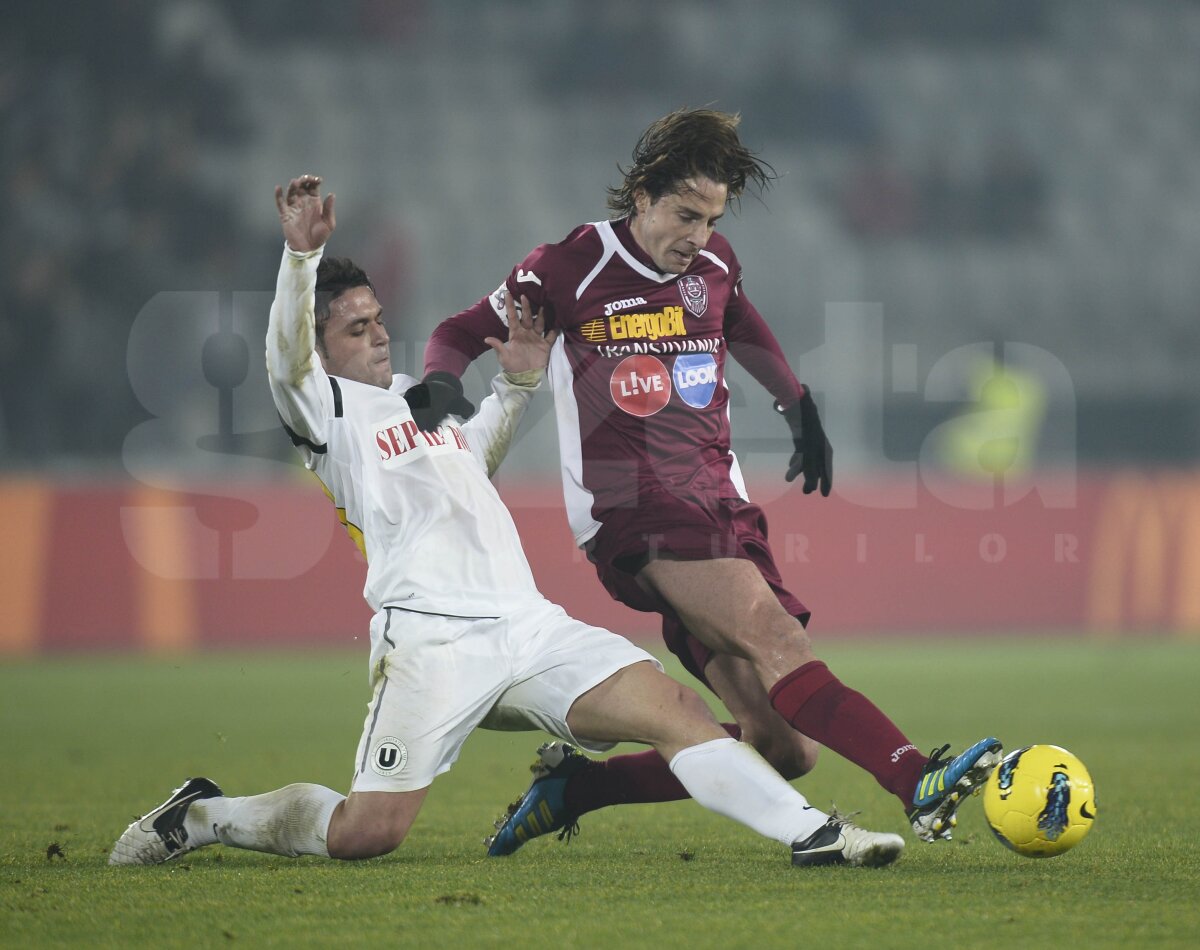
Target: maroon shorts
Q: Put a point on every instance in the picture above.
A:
(691, 531)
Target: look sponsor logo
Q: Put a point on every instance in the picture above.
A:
(640, 385)
(695, 378)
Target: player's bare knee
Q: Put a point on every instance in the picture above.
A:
(788, 752)
(688, 716)
(692, 705)
(800, 758)
(368, 843)
(389, 843)
(360, 835)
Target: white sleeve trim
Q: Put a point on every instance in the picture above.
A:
(716, 260)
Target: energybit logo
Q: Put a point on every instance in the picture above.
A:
(633, 326)
(611, 308)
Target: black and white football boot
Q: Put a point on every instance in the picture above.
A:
(840, 841)
(159, 835)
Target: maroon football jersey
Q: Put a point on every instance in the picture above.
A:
(638, 371)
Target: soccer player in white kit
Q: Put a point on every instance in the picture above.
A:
(451, 648)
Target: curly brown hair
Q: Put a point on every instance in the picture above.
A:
(689, 143)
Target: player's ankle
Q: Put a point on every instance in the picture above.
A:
(579, 792)
(202, 819)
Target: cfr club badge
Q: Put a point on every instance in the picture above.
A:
(694, 292)
(640, 385)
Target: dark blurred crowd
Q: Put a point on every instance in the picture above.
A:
(818, 101)
(113, 111)
(104, 107)
(1004, 199)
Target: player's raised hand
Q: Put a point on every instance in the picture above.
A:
(528, 345)
(307, 221)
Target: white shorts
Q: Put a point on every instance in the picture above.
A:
(447, 675)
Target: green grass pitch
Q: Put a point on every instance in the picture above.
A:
(90, 741)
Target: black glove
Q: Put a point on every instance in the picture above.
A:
(814, 454)
(436, 396)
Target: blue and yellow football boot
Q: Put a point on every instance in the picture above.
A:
(542, 809)
(944, 784)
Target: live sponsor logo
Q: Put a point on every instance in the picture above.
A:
(640, 385)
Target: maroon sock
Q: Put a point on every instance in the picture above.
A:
(818, 704)
(637, 778)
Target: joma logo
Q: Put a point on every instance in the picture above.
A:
(611, 308)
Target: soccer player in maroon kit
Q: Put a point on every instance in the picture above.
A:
(648, 306)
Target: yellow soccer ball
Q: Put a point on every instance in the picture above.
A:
(1040, 801)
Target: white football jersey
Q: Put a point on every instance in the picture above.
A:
(420, 506)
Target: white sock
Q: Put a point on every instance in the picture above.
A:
(291, 821)
(732, 779)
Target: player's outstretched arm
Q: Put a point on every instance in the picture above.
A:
(299, 384)
(454, 344)
(752, 344)
(523, 358)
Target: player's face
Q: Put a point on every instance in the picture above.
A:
(676, 226)
(356, 341)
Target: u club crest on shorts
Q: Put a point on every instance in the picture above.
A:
(388, 756)
(694, 292)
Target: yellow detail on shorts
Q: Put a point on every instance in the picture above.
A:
(667, 322)
(353, 530)
(593, 330)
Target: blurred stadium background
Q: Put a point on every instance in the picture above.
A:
(982, 252)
